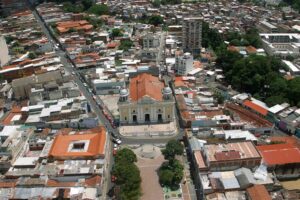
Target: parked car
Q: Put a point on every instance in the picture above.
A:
(117, 141)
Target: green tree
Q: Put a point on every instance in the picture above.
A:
(127, 174)
(165, 177)
(125, 155)
(32, 55)
(9, 39)
(252, 36)
(235, 42)
(170, 174)
(273, 100)
(99, 9)
(173, 148)
(71, 30)
(294, 91)
(72, 7)
(116, 32)
(219, 97)
(211, 37)
(156, 20)
(96, 22)
(156, 3)
(125, 45)
(171, 2)
(87, 4)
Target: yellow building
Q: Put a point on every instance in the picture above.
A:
(146, 101)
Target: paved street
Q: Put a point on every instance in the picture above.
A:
(102, 120)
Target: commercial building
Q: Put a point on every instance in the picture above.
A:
(266, 27)
(231, 155)
(79, 145)
(258, 192)
(146, 101)
(281, 44)
(192, 34)
(284, 159)
(81, 25)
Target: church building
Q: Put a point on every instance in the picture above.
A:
(147, 101)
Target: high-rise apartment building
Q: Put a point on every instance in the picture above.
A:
(192, 34)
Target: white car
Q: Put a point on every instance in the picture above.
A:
(85, 85)
(117, 141)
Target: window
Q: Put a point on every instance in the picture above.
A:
(125, 118)
(168, 116)
(78, 146)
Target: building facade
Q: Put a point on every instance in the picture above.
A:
(192, 34)
(147, 101)
(184, 64)
(150, 43)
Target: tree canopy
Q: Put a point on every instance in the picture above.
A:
(127, 174)
(116, 32)
(84, 6)
(156, 20)
(32, 55)
(259, 76)
(171, 174)
(294, 3)
(173, 148)
(99, 9)
(125, 155)
(125, 45)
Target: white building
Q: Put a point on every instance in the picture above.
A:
(281, 44)
(184, 64)
(192, 34)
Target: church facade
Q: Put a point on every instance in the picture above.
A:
(146, 101)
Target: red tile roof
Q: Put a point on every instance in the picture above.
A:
(55, 183)
(256, 107)
(8, 183)
(60, 149)
(251, 49)
(112, 45)
(286, 139)
(258, 192)
(279, 154)
(16, 110)
(145, 85)
(63, 27)
(227, 155)
(200, 160)
(232, 48)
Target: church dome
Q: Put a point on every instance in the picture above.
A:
(167, 90)
(124, 92)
